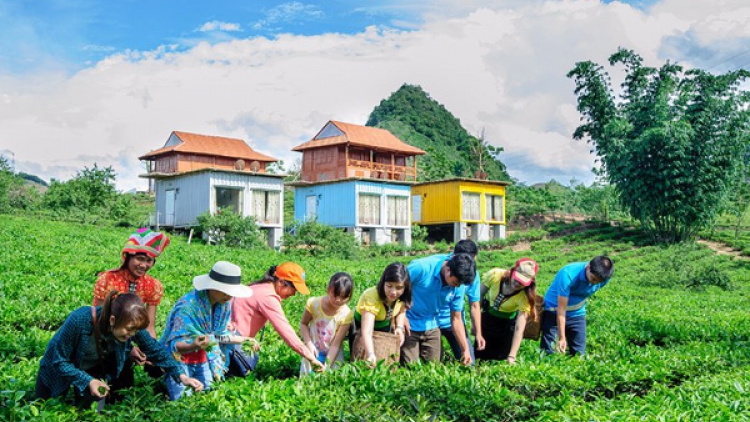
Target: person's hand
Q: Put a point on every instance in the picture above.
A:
(511, 360)
(137, 356)
(202, 342)
(318, 367)
(98, 388)
(193, 383)
(562, 345)
(480, 343)
(399, 331)
(372, 360)
(252, 343)
(466, 357)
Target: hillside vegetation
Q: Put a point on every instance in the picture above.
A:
(654, 351)
(417, 119)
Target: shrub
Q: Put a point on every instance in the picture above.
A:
(318, 239)
(231, 229)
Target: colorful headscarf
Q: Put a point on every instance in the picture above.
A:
(146, 241)
(190, 318)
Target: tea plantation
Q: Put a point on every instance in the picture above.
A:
(668, 338)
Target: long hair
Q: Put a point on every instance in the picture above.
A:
(126, 308)
(268, 277)
(397, 273)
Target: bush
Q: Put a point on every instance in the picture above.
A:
(318, 239)
(231, 229)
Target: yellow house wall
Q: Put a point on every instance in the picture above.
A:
(442, 203)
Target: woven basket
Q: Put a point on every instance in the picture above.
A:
(534, 326)
(387, 347)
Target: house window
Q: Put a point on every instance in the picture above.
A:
(369, 209)
(311, 211)
(471, 206)
(494, 205)
(228, 199)
(266, 206)
(398, 211)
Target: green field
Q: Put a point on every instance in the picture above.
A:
(668, 338)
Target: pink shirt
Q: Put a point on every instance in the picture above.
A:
(250, 314)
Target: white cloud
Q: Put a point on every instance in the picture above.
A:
(219, 26)
(499, 67)
(289, 12)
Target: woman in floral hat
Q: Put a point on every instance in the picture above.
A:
(507, 299)
(137, 258)
(250, 314)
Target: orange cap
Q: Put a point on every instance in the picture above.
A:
(294, 274)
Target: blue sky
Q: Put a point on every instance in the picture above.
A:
(85, 81)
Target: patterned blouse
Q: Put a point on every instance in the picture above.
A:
(149, 289)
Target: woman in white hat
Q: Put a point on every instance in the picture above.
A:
(507, 301)
(196, 331)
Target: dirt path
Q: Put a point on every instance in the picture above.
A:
(722, 248)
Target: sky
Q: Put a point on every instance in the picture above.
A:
(90, 81)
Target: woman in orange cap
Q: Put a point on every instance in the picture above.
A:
(250, 314)
(507, 298)
(137, 258)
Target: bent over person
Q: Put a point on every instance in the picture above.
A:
(565, 304)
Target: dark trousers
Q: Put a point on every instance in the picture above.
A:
(575, 333)
(453, 342)
(498, 337)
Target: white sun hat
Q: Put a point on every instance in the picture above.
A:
(224, 277)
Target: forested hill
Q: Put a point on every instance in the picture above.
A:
(418, 120)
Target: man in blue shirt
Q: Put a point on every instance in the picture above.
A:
(472, 293)
(435, 283)
(565, 304)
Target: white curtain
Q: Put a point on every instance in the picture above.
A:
(471, 206)
(398, 211)
(494, 208)
(267, 206)
(369, 209)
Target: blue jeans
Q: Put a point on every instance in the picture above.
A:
(575, 333)
(453, 342)
(199, 371)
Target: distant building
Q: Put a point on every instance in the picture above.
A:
(460, 208)
(357, 178)
(193, 173)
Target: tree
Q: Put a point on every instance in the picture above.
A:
(90, 191)
(671, 144)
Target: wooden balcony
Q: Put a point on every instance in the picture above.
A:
(381, 171)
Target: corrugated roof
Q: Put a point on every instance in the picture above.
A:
(364, 136)
(193, 143)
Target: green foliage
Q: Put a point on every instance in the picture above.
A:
(316, 239)
(14, 194)
(417, 119)
(651, 355)
(231, 229)
(671, 145)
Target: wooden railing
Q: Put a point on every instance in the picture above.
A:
(375, 170)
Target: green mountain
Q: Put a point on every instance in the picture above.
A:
(415, 118)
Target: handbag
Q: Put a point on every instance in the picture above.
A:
(240, 363)
(533, 327)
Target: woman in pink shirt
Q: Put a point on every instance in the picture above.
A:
(250, 314)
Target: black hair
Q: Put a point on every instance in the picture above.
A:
(396, 273)
(268, 277)
(126, 308)
(602, 267)
(462, 266)
(466, 246)
(341, 284)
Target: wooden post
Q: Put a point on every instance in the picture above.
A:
(190, 236)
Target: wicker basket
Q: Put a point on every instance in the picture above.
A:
(534, 326)
(387, 347)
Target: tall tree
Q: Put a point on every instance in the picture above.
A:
(671, 142)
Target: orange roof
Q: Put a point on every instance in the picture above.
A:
(210, 145)
(363, 136)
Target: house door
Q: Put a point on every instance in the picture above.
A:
(169, 208)
(311, 212)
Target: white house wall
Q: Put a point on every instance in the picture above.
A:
(248, 184)
(191, 200)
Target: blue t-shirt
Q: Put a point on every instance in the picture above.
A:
(429, 294)
(571, 282)
(471, 291)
